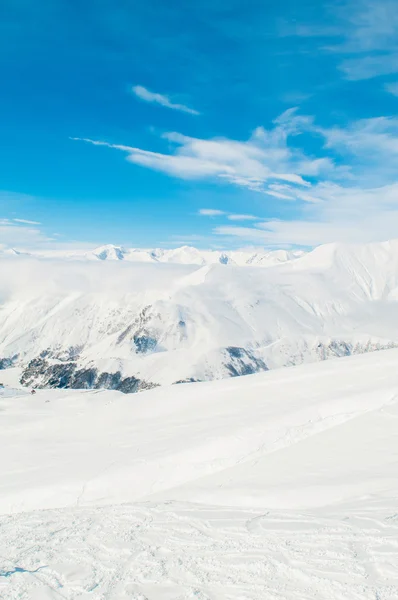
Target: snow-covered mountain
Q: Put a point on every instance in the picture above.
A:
(129, 326)
(186, 255)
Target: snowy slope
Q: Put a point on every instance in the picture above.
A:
(220, 434)
(124, 325)
(279, 485)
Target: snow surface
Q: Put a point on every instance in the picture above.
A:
(281, 485)
(336, 300)
(183, 255)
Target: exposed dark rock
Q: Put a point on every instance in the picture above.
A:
(340, 348)
(35, 368)
(125, 333)
(187, 380)
(224, 260)
(41, 374)
(144, 343)
(84, 379)
(60, 376)
(108, 381)
(236, 352)
(69, 354)
(129, 385)
(243, 362)
(139, 332)
(145, 385)
(6, 363)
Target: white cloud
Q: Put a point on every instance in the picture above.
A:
(392, 88)
(340, 215)
(210, 212)
(279, 195)
(12, 234)
(263, 159)
(365, 34)
(26, 222)
(369, 147)
(242, 218)
(144, 94)
(352, 192)
(371, 38)
(367, 67)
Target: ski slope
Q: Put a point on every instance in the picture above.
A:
(279, 485)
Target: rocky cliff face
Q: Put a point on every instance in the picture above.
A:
(42, 374)
(57, 370)
(6, 363)
(62, 369)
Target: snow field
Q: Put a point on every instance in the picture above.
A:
(280, 486)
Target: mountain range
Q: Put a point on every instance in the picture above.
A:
(114, 323)
(184, 255)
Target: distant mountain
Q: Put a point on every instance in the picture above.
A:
(108, 321)
(186, 255)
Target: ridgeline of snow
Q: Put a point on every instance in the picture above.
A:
(166, 323)
(186, 255)
(279, 485)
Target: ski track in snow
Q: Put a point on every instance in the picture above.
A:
(180, 551)
(177, 493)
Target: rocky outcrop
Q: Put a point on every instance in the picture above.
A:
(241, 361)
(306, 350)
(61, 368)
(6, 363)
(40, 373)
(187, 380)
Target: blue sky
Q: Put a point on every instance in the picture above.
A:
(217, 124)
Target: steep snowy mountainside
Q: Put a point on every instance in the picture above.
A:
(128, 326)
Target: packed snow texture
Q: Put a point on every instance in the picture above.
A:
(281, 485)
(128, 326)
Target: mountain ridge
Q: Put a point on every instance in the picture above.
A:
(136, 325)
(181, 255)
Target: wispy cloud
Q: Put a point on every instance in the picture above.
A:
(144, 94)
(27, 222)
(363, 36)
(392, 88)
(370, 39)
(341, 215)
(21, 235)
(348, 191)
(210, 212)
(367, 67)
(265, 158)
(238, 217)
(360, 204)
